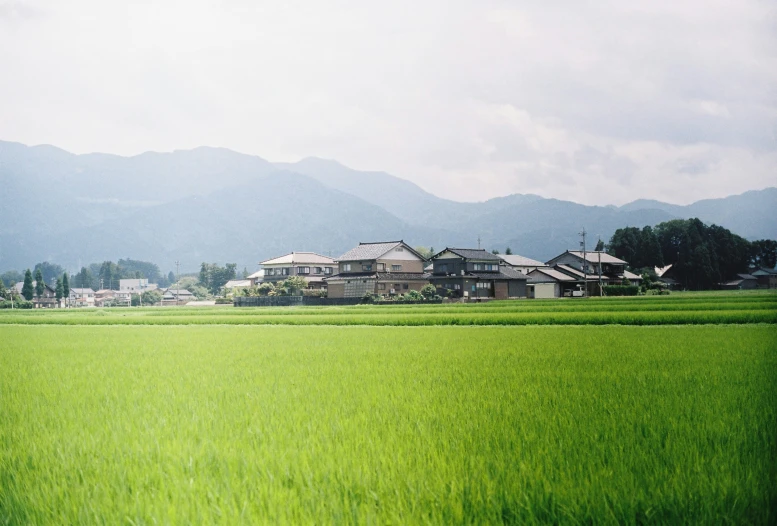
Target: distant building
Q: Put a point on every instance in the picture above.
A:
(741, 282)
(136, 286)
(522, 264)
(308, 265)
(767, 278)
(81, 297)
(48, 300)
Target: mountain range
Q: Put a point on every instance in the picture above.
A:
(217, 205)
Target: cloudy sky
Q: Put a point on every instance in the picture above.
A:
(598, 102)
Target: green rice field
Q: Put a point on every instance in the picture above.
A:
(503, 412)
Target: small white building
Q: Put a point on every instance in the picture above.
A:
(136, 286)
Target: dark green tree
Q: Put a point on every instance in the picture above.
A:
(59, 291)
(40, 285)
(599, 246)
(27, 290)
(508, 251)
(763, 253)
(171, 277)
(66, 285)
(50, 271)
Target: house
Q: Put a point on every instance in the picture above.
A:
(48, 300)
(385, 268)
(237, 284)
(741, 282)
(522, 264)
(597, 266)
(136, 286)
(667, 276)
(475, 273)
(308, 265)
(547, 282)
(176, 296)
(767, 278)
(112, 298)
(256, 277)
(82, 297)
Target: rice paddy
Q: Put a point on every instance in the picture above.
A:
(232, 416)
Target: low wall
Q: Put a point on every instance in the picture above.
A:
(291, 301)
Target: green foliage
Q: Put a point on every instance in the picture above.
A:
(370, 425)
(265, 288)
(426, 253)
(428, 291)
(17, 303)
(763, 253)
(413, 295)
(294, 284)
(621, 290)
(639, 248)
(508, 251)
(84, 279)
(151, 297)
(65, 285)
(40, 285)
(11, 276)
(213, 277)
(49, 271)
(59, 291)
(27, 290)
(135, 300)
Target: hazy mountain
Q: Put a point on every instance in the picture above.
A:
(216, 205)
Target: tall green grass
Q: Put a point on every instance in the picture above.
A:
(523, 425)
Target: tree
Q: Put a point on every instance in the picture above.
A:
(599, 246)
(213, 277)
(763, 253)
(11, 276)
(66, 286)
(265, 288)
(59, 291)
(508, 251)
(171, 277)
(27, 290)
(295, 284)
(151, 297)
(2, 289)
(84, 278)
(426, 253)
(50, 271)
(428, 291)
(40, 285)
(495, 252)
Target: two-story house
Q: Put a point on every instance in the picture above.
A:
(47, 300)
(593, 268)
(385, 268)
(308, 265)
(522, 264)
(475, 273)
(82, 297)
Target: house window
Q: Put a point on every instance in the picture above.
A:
(316, 270)
(483, 285)
(303, 270)
(400, 249)
(396, 268)
(405, 286)
(285, 271)
(442, 267)
(478, 266)
(346, 267)
(381, 267)
(366, 268)
(328, 270)
(381, 286)
(457, 286)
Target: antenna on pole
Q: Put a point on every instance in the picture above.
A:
(478, 241)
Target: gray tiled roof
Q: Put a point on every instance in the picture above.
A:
(471, 253)
(551, 274)
(520, 261)
(382, 276)
(367, 251)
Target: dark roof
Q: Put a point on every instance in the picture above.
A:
(746, 276)
(506, 274)
(572, 271)
(367, 251)
(382, 276)
(471, 253)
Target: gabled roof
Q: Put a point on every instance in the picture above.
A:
(555, 275)
(746, 276)
(662, 270)
(367, 251)
(631, 276)
(471, 253)
(593, 257)
(81, 291)
(237, 283)
(297, 258)
(572, 271)
(19, 285)
(258, 274)
(520, 261)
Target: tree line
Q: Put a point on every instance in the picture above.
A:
(701, 255)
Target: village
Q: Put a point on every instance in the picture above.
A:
(395, 271)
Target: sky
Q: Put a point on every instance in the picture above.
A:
(596, 102)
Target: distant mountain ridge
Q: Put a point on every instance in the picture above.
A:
(216, 205)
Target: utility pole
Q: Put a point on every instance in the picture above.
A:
(478, 241)
(177, 282)
(601, 292)
(585, 263)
